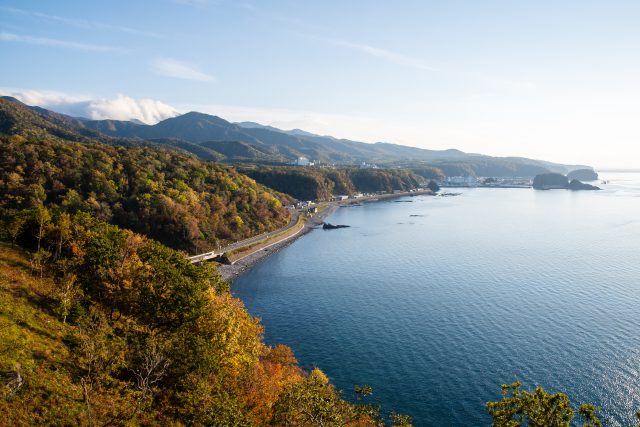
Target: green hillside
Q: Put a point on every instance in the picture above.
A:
(321, 183)
(111, 328)
(175, 198)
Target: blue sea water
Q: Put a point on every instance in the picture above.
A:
(436, 311)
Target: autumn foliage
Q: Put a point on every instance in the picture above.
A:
(110, 327)
(175, 198)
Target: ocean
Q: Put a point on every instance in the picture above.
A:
(437, 301)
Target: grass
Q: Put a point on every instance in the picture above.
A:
(32, 343)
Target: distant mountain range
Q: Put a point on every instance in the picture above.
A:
(213, 138)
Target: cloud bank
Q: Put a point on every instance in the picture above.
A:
(121, 107)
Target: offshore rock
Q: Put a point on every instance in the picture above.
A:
(328, 226)
(576, 185)
(549, 181)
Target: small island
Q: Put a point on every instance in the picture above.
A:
(551, 181)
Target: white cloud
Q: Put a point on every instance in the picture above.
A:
(80, 23)
(394, 57)
(121, 107)
(44, 41)
(42, 98)
(169, 67)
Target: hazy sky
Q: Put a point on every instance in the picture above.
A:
(557, 80)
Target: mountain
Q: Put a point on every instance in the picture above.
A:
(177, 199)
(253, 142)
(213, 138)
(33, 120)
(113, 127)
(378, 152)
(254, 125)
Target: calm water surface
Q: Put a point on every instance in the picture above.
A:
(435, 311)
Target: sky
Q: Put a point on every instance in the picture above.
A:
(553, 80)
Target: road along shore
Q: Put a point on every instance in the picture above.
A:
(244, 260)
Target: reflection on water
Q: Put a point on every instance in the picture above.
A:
(436, 310)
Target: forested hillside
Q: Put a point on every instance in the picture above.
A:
(490, 167)
(101, 326)
(321, 183)
(213, 138)
(175, 198)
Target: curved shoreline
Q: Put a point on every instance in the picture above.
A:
(230, 272)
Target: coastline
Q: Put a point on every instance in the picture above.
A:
(230, 272)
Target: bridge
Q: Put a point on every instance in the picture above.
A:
(205, 256)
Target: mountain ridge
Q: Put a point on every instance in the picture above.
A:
(214, 138)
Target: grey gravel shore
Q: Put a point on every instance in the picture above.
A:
(230, 272)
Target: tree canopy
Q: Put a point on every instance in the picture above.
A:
(111, 327)
(174, 198)
(538, 408)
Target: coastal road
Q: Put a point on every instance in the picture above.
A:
(295, 214)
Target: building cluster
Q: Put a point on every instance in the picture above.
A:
(307, 206)
(365, 165)
(341, 197)
(473, 181)
(302, 161)
(304, 204)
(460, 181)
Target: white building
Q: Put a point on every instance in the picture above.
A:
(365, 165)
(461, 181)
(302, 161)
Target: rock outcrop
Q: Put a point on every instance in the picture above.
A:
(328, 226)
(433, 186)
(576, 185)
(549, 181)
